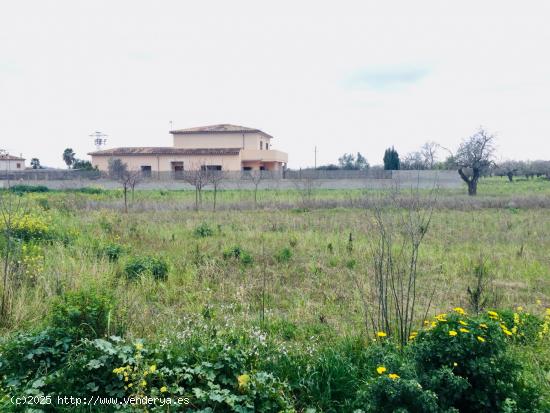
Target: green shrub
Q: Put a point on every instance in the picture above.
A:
(84, 314)
(474, 349)
(31, 228)
(87, 190)
(29, 188)
(203, 230)
(526, 327)
(284, 255)
(239, 254)
(384, 394)
(146, 265)
(112, 251)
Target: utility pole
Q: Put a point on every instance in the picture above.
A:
(315, 151)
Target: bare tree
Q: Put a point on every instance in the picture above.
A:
(429, 154)
(413, 161)
(256, 177)
(216, 178)
(118, 171)
(389, 293)
(306, 186)
(135, 179)
(474, 157)
(198, 177)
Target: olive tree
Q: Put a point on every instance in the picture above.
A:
(474, 157)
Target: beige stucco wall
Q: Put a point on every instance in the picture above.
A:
(271, 155)
(162, 163)
(10, 165)
(220, 140)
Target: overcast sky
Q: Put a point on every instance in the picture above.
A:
(344, 76)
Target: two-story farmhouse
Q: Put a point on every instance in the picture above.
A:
(218, 147)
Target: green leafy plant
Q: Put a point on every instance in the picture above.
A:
(203, 230)
(84, 314)
(113, 251)
(284, 255)
(239, 254)
(29, 188)
(138, 266)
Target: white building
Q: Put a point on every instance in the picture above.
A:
(11, 163)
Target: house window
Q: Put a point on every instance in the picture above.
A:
(211, 167)
(262, 168)
(247, 168)
(146, 170)
(177, 168)
(261, 145)
(18, 166)
(266, 146)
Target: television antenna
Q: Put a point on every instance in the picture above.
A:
(100, 139)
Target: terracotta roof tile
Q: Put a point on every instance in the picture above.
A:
(8, 157)
(221, 128)
(145, 150)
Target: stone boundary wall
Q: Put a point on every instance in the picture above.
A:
(401, 179)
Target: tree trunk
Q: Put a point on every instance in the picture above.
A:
(215, 193)
(472, 187)
(125, 199)
(196, 198)
(470, 181)
(510, 176)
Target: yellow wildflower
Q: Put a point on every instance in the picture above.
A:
(143, 383)
(463, 330)
(493, 314)
(481, 339)
(163, 389)
(393, 376)
(243, 381)
(459, 310)
(441, 317)
(483, 325)
(455, 364)
(519, 308)
(381, 334)
(381, 369)
(413, 335)
(507, 332)
(153, 368)
(452, 333)
(139, 346)
(464, 323)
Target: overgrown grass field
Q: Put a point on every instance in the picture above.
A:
(291, 271)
